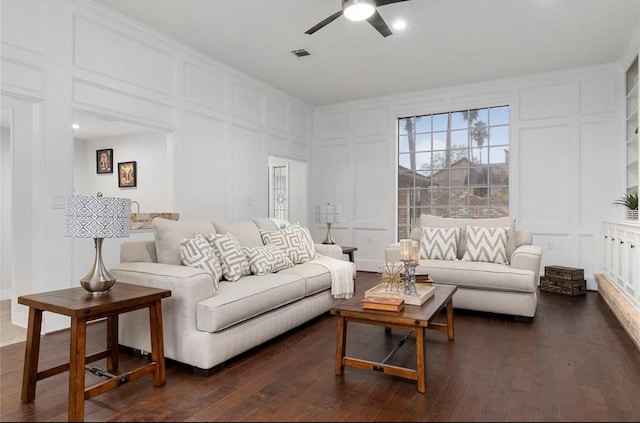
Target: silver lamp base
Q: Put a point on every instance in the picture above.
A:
(98, 281)
(328, 239)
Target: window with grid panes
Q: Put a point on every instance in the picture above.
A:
(453, 164)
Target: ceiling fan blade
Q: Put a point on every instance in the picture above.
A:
(379, 24)
(385, 2)
(324, 22)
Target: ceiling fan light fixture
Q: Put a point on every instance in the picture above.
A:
(358, 10)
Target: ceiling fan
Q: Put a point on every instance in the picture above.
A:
(359, 10)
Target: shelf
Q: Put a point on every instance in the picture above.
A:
(633, 94)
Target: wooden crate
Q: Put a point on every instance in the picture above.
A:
(564, 272)
(563, 286)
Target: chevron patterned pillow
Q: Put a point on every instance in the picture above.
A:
(486, 244)
(267, 259)
(232, 259)
(290, 241)
(439, 243)
(197, 252)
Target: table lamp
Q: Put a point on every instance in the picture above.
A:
(98, 218)
(329, 214)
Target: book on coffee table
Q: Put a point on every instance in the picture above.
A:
(385, 304)
(425, 291)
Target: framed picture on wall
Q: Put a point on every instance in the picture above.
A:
(104, 160)
(127, 174)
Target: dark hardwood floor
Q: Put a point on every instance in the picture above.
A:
(573, 362)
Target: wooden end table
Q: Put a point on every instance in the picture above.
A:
(414, 319)
(82, 307)
(349, 251)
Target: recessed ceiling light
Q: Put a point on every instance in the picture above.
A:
(75, 126)
(399, 24)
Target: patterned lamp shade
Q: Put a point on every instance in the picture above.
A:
(329, 213)
(98, 217)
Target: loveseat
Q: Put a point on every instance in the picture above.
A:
(215, 313)
(495, 269)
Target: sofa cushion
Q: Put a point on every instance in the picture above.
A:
(317, 277)
(267, 259)
(246, 232)
(486, 244)
(479, 275)
(439, 243)
(198, 252)
(249, 297)
(169, 233)
(428, 220)
(232, 259)
(291, 242)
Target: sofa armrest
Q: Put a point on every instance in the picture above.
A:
(330, 250)
(188, 287)
(527, 257)
(392, 253)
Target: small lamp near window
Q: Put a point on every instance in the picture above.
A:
(98, 218)
(329, 214)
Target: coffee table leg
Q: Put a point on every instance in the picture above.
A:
(450, 319)
(341, 344)
(421, 368)
(31, 353)
(77, 358)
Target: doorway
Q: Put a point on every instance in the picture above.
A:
(288, 189)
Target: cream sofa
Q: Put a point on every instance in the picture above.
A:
(204, 326)
(484, 286)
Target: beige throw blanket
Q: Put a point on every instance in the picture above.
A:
(341, 275)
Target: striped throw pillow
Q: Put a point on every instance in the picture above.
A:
(486, 244)
(439, 243)
(267, 259)
(232, 259)
(290, 241)
(197, 252)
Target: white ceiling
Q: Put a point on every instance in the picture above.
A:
(447, 42)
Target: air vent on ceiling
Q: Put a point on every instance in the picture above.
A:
(301, 53)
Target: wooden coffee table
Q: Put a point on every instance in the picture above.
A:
(414, 319)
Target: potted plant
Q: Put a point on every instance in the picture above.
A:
(630, 201)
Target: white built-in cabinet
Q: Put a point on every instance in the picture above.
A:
(621, 258)
(631, 90)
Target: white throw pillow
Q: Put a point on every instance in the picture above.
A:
(198, 252)
(232, 259)
(486, 244)
(290, 240)
(439, 243)
(267, 259)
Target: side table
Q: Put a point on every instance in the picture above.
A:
(349, 251)
(82, 307)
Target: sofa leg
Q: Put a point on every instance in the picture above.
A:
(523, 319)
(208, 372)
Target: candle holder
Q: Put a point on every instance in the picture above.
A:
(410, 277)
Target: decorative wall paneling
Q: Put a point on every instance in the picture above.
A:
(83, 57)
(563, 128)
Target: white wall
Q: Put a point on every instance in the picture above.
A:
(82, 58)
(567, 160)
(5, 206)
